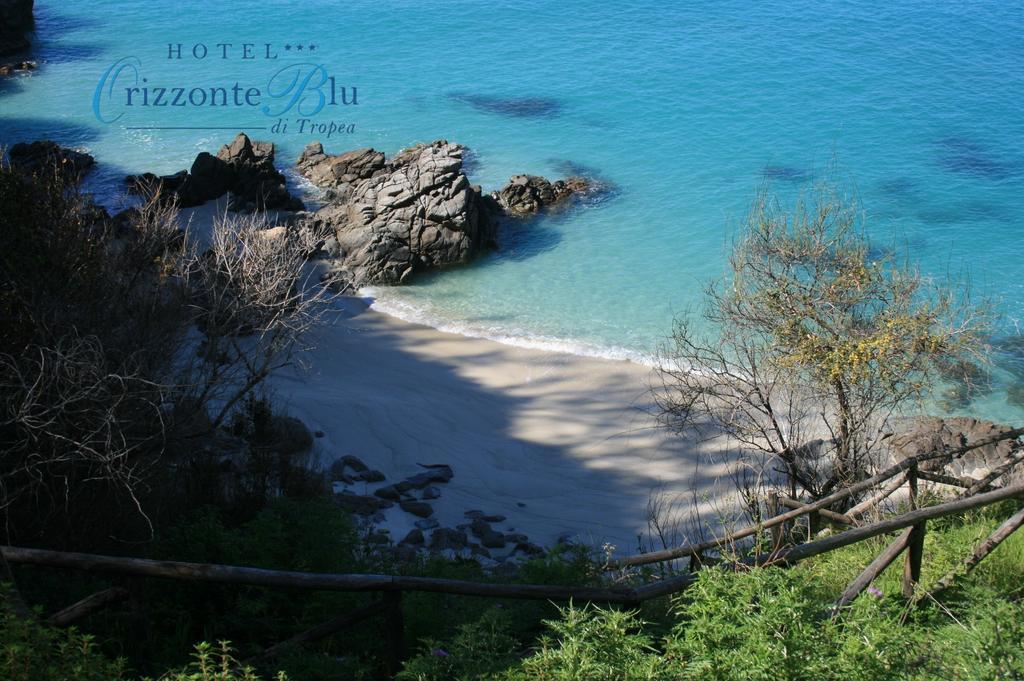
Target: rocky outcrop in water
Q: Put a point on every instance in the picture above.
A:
(388, 219)
(527, 195)
(392, 218)
(243, 168)
(15, 21)
(14, 68)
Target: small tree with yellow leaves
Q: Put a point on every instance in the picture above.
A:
(814, 340)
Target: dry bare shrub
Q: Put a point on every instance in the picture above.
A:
(101, 379)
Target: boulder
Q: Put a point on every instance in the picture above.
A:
(916, 436)
(427, 523)
(242, 168)
(371, 475)
(527, 195)
(415, 538)
(529, 549)
(15, 21)
(479, 527)
(33, 157)
(338, 171)
(417, 508)
(17, 67)
(388, 492)
(417, 212)
(493, 539)
(289, 435)
(445, 538)
(352, 462)
(361, 505)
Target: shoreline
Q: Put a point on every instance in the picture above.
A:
(562, 445)
(412, 314)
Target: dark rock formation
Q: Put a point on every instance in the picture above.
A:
(387, 219)
(928, 434)
(15, 21)
(31, 157)
(417, 211)
(415, 537)
(361, 505)
(417, 508)
(446, 538)
(339, 171)
(16, 67)
(244, 168)
(527, 195)
(389, 492)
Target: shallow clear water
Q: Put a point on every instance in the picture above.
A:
(683, 109)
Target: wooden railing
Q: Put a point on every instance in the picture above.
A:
(390, 587)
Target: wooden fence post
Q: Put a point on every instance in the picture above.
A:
(778, 531)
(915, 542)
(394, 631)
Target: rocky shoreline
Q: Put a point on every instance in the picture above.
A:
(384, 220)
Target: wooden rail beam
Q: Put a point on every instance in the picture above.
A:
(1008, 527)
(87, 605)
(841, 518)
(322, 630)
(793, 554)
(231, 574)
(872, 571)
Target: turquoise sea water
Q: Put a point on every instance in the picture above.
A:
(684, 109)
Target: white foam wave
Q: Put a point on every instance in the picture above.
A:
(406, 311)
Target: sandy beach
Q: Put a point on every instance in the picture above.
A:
(561, 445)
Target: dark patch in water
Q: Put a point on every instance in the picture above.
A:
(14, 130)
(974, 211)
(522, 239)
(967, 157)
(1008, 354)
(64, 54)
(898, 187)
(786, 174)
(53, 23)
(515, 107)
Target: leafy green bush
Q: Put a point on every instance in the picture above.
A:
(478, 650)
(30, 651)
(596, 644)
(215, 663)
(774, 623)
